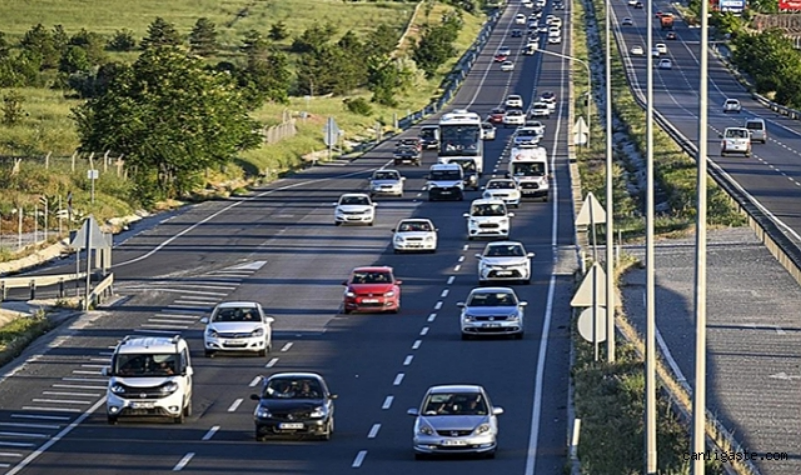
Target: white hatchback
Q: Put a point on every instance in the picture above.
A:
(415, 234)
(238, 327)
(354, 208)
(504, 189)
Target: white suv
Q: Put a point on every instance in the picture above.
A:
(354, 208)
(150, 376)
(238, 326)
(504, 261)
(488, 218)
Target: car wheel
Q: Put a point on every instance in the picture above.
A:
(371, 223)
(180, 418)
(260, 437)
(209, 354)
(112, 420)
(466, 336)
(722, 153)
(419, 456)
(469, 238)
(395, 310)
(396, 251)
(527, 281)
(337, 223)
(263, 352)
(188, 408)
(545, 199)
(347, 311)
(328, 431)
(490, 455)
(519, 336)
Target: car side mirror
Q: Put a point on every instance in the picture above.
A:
(478, 256)
(530, 255)
(511, 215)
(375, 204)
(466, 215)
(460, 304)
(332, 396)
(394, 230)
(189, 371)
(204, 320)
(522, 304)
(403, 178)
(255, 397)
(497, 411)
(413, 412)
(106, 371)
(436, 229)
(345, 283)
(268, 319)
(398, 282)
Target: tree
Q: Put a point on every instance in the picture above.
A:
(267, 78)
(161, 33)
(73, 60)
(92, 43)
(60, 38)
(4, 46)
(279, 31)
(313, 39)
(435, 47)
(12, 108)
(172, 118)
(203, 38)
(123, 40)
(254, 45)
(383, 40)
(39, 42)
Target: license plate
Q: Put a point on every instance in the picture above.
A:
(452, 442)
(492, 325)
(291, 425)
(142, 405)
(504, 273)
(370, 301)
(445, 193)
(235, 342)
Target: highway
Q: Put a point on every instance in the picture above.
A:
(279, 246)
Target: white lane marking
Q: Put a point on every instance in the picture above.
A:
(78, 386)
(16, 444)
(359, 460)
(387, 402)
(466, 247)
(235, 405)
(286, 347)
(444, 293)
(417, 344)
(255, 381)
(461, 258)
(271, 363)
(438, 305)
(92, 365)
(374, 431)
(100, 359)
(172, 316)
(30, 426)
(408, 360)
(39, 417)
(169, 323)
(49, 409)
(88, 380)
(424, 331)
(160, 332)
(44, 447)
(64, 393)
(211, 433)
(669, 358)
(432, 317)
(30, 435)
(83, 371)
(182, 463)
(169, 326)
(60, 401)
(10, 454)
(419, 195)
(398, 379)
(456, 269)
(195, 303)
(451, 279)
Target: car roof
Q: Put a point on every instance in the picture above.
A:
(455, 388)
(504, 243)
(492, 290)
(237, 304)
(755, 120)
(487, 201)
(444, 166)
(500, 179)
(386, 170)
(516, 96)
(416, 220)
(292, 374)
(372, 269)
(359, 195)
(150, 345)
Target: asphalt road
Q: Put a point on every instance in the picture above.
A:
(280, 247)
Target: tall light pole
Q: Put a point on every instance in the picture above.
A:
(650, 283)
(699, 392)
(610, 266)
(589, 84)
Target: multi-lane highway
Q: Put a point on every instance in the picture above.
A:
(280, 247)
(772, 175)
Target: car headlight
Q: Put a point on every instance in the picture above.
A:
(211, 333)
(425, 429)
(483, 428)
(399, 239)
(431, 186)
(258, 332)
(318, 412)
(117, 389)
(429, 238)
(514, 316)
(349, 294)
(504, 222)
(391, 293)
(263, 413)
(169, 388)
(468, 318)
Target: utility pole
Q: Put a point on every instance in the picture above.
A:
(610, 258)
(650, 281)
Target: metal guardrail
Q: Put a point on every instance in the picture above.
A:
(102, 291)
(32, 282)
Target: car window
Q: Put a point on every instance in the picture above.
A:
(236, 314)
(146, 364)
(491, 300)
(385, 176)
(355, 200)
(455, 404)
(736, 134)
(754, 125)
(511, 250)
(293, 388)
(488, 210)
(414, 227)
(371, 278)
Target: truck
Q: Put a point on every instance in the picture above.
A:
(529, 168)
(666, 21)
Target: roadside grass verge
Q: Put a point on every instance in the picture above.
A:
(17, 334)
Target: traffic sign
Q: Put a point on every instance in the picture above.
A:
(591, 212)
(593, 285)
(580, 138)
(585, 325)
(330, 132)
(97, 240)
(581, 127)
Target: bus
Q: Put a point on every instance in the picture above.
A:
(460, 137)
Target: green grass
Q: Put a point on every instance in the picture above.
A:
(16, 335)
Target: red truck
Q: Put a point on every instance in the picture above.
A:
(666, 21)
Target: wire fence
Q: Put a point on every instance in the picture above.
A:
(279, 132)
(102, 163)
(32, 224)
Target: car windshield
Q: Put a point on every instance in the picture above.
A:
(355, 200)
(527, 133)
(145, 364)
(498, 111)
(500, 185)
(371, 277)
(292, 388)
(455, 404)
(414, 226)
(491, 299)
(488, 210)
(460, 139)
(515, 112)
(428, 133)
(528, 169)
(540, 105)
(754, 125)
(441, 175)
(736, 134)
(511, 250)
(408, 142)
(467, 165)
(236, 314)
(385, 176)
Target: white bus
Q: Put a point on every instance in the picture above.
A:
(460, 137)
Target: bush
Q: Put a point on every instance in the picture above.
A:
(123, 40)
(358, 106)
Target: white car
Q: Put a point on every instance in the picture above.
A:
(354, 208)
(507, 66)
(492, 311)
(504, 51)
(533, 42)
(538, 127)
(520, 19)
(543, 29)
(736, 140)
(488, 218)
(541, 3)
(661, 47)
(557, 22)
(238, 327)
(554, 40)
(550, 19)
(514, 101)
(632, 2)
(665, 63)
(655, 53)
(637, 51)
(514, 117)
(549, 98)
(504, 261)
(554, 31)
(732, 105)
(487, 131)
(627, 22)
(415, 234)
(540, 109)
(526, 137)
(387, 182)
(505, 189)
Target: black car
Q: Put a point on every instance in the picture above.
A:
(294, 404)
(517, 33)
(408, 154)
(470, 171)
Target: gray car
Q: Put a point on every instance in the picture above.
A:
(492, 311)
(386, 182)
(455, 419)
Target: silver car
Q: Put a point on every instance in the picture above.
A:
(386, 182)
(504, 261)
(492, 311)
(455, 419)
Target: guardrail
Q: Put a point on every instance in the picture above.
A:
(102, 291)
(32, 282)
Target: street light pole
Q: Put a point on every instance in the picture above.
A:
(589, 85)
(610, 266)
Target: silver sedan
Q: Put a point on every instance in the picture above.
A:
(492, 311)
(455, 419)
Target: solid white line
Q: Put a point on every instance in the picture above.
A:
(196, 303)
(424, 331)
(174, 316)
(171, 326)
(63, 393)
(106, 353)
(16, 444)
(78, 386)
(451, 279)
(255, 381)
(388, 402)
(170, 322)
(211, 433)
(23, 434)
(438, 306)
(444, 293)
(93, 366)
(235, 405)
(47, 418)
(30, 426)
(49, 409)
(271, 363)
(5, 465)
(182, 463)
(374, 431)
(82, 371)
(669, 358)
(160, 332)
(456, 269)
(100, 359)
(398, 379)
(10, 454)
(44, 447)
(89, 380)
(432, 317)
(417, 344)
(357, 462)
(61, 401)
(408, 360)
(287, 347)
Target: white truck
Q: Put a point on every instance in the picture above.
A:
(529, 168)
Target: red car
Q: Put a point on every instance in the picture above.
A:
(372, 289)
(496, 116)
(499, 58)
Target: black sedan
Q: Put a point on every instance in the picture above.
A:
(294, 404)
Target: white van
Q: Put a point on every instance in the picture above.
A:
(150, 376)
(445, 182)
(758, 129)
(529, 168)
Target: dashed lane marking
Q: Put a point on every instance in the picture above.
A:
(432, 317)
(287, 347)
(424, 331)
(444, 293)
(235, 405)
(183, 462)
(408, 360)
(451, 279)
(374, 431)
(271, 363)
(398, 379)
(417, 344)
(457, 268)
(255, 381)
(359, 460)
(461, 259)
(387, 402)
(211, 433)
(438, 305)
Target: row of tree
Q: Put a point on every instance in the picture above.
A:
(772, 62)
